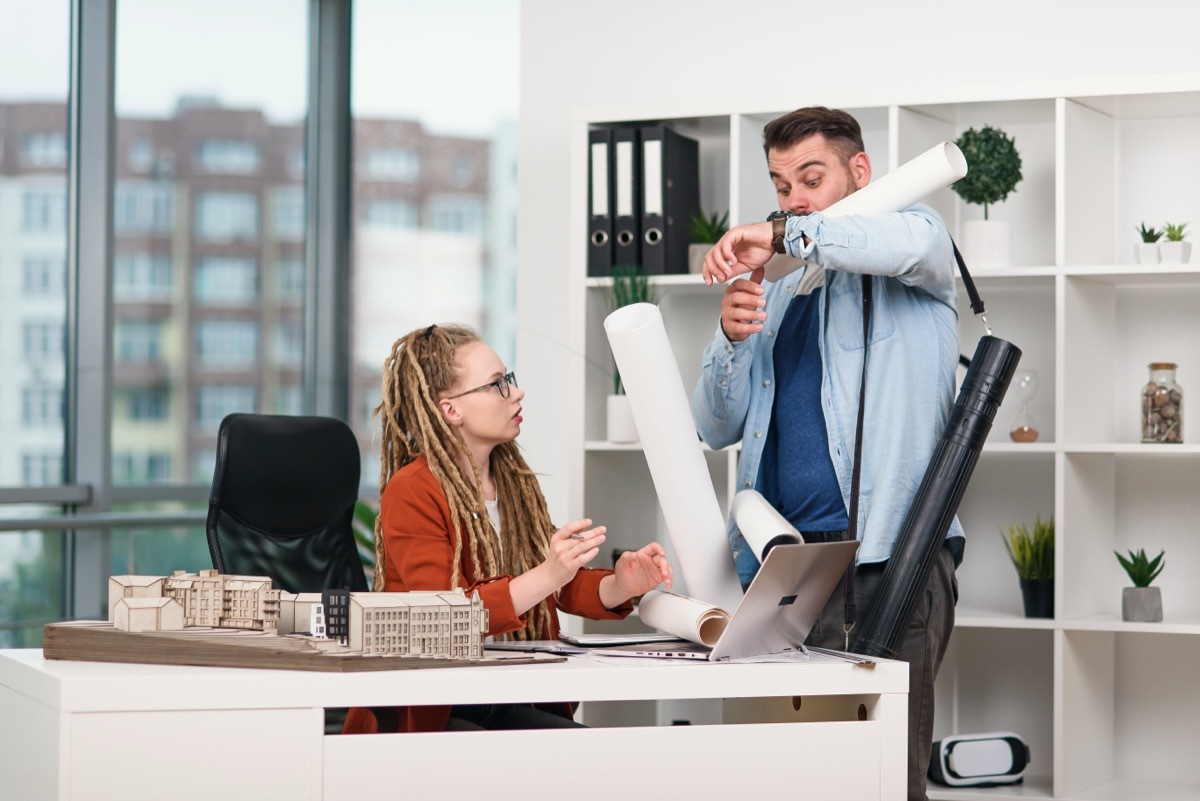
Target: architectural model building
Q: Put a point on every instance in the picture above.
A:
(436, 624)
(441, 624)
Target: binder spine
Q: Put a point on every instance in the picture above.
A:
(670, 196)
(600, 202)
(627, 193)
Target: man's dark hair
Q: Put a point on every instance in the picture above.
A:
(840, 130)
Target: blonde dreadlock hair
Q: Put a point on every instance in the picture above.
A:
(419, 369)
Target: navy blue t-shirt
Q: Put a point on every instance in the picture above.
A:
(798, 480)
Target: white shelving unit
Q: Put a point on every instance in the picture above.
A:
(1109, 708)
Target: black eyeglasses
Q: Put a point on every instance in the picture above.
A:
(503, 385)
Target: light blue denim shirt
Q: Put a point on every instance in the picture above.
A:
(910, 375)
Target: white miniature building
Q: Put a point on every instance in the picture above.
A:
(132, 587)
(302, 613)
(216, 600)
(437, 624)
(147, 614)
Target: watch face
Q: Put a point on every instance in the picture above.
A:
(779, 215)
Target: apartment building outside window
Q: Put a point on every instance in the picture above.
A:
(226, 216)
(227, 344)
(222, 281)
(228, 157)
(142, 277)
(44, 209)
(138, 341)
(392, 164)
(44, 149)
(43, 275)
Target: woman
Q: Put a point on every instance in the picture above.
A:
(460, 508)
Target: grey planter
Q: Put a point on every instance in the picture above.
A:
(1141, 605)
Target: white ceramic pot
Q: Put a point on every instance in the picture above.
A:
(621, 427)
(1175, 252)
(696, 254)
(987, 244)
(1146, 253)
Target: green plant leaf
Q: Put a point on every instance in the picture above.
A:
(363, 527)
(1140, 569)
(707, 229)
(1174, 232)
(629, 285)
(1031, 548)
(1149, 235)
(993, 166)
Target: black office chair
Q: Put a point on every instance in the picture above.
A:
(282, 502)
(282, 505)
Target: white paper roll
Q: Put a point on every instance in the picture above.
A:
(936, 168)
(760, 523)
(683, 616)
(673, 453)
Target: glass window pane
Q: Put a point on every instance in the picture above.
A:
(208, 253)
(434, 180)
(34, 66)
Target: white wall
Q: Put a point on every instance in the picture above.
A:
(664, 58)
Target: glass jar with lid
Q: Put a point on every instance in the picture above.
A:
(1162, 405)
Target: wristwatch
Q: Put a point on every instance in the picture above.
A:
(778, 220)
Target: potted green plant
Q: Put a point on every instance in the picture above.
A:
(629, 285)
(704, 231)
(1175, 250)
(363, 527)
(1146, 251)
(1141, 602)
(1031, 549)
(993, 171)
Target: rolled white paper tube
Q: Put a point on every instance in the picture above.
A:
(936, 168)
(761, 524)
(673, 453)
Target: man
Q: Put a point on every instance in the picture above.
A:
(783, 376)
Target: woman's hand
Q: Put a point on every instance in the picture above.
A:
(571, 547)
(637, 572)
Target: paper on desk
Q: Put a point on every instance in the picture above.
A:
(684, 617)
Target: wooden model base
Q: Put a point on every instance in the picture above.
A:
(97, 641)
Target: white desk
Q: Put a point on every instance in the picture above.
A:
(119, 732)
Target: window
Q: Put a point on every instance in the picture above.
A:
(227, 344)
(289, 279)
(142, 207)
(41, 406)
(43, 275)
(228, 157)
(462, 170)
(289, 343)
(142, 277)
(457, 214)
(289, 213)
(392, 214)
(42, 339)
(44, 208)
(44, 149)
(148, 404)
(141, 468)
(138, 341)
(392, 164)
(289, 399)
(226, 281)
(226, 216)
(141, 154)
(41, 468)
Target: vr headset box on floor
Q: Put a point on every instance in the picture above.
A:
(979, 760)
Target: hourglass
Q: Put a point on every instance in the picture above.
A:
(1024, 427)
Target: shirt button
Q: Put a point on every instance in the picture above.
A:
(771, 333)
(747, 484)
(728, 349)
(758, 435)
(766, 384)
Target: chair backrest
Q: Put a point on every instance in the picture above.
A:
(282, 502)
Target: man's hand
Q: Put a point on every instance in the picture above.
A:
(742, 307)
(743, 249)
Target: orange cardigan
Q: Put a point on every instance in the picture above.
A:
(419, 543)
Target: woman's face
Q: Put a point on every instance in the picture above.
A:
(475, 402)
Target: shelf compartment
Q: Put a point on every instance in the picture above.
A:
(999, 681)
(1129, 715)
(1112, 331)
(1002, 489)
(1107, 500)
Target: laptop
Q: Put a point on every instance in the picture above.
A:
(778, 610)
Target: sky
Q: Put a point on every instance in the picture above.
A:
(452, 65)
